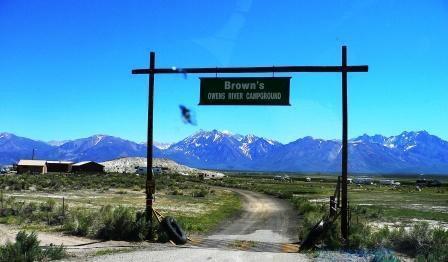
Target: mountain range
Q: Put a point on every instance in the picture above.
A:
(408, 152)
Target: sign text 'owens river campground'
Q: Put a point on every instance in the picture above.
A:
(245, 91)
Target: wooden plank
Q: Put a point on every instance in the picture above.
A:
(266, 69)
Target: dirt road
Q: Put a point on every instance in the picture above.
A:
(261, 232)
(263, 218)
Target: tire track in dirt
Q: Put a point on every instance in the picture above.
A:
(263, 218)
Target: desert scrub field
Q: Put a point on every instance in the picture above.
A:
(402, 219)
(379, 202)
(93, 210)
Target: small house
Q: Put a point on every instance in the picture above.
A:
(59, 166)
(87, 167)
(32, 166)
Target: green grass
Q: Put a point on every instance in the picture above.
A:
(229, 205)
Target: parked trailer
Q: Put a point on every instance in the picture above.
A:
(142, 170)
(387, 182)
(363, 181)
(428, 183)
(214, 176)
(282, 178)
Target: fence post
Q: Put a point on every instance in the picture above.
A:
(332, 206)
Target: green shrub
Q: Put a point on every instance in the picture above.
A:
(54, 252)
(26, 248)
(48, 205)
(78, 222)
(439, 245)
(422, 242)
(122, 223)
(360, 236)
(203, 192)
(304, 206)
(176, 192)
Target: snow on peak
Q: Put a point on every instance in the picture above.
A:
(5, 135)
(409, 147)
(162, 145)
(270, 141)
(216, 136)
(250, 138)
(226, 132)
(98, 139)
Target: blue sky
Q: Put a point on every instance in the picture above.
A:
(65, 67)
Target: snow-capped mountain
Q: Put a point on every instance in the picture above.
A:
(160, 145)
(219, 150)
(408, 152)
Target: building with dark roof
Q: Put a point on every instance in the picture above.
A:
(87, 167)
(59, 166)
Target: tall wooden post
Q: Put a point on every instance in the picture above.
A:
(344, 211)
(149, 176)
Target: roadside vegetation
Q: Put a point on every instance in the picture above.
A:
(412, 236)
(26, 248)
(109, 207)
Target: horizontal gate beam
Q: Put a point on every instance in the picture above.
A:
(262, 69)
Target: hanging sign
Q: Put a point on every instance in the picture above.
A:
(272, 91)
